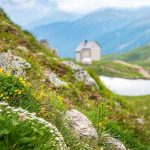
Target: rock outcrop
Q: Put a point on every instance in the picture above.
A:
(113, 143)
(13, 64)
(52, 77)
(80, 124)
(80, 74)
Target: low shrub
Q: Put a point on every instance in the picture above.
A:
(21, 130)
(17, 92)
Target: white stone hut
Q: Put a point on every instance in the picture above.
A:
(87, 52)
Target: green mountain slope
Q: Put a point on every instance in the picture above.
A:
(139, 56)
(116, 68)
(33, 79)
(132, 64)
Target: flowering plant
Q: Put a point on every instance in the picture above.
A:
(21, 129)
(16, 91)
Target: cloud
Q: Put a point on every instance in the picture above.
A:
(37, 7)
(71, 6)
(25, 11)
(86, 6)
(18, 4)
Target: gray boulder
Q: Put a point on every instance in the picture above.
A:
(80, 124)
(13, 64)
(52, 77)
(113, 143)
(80, 74)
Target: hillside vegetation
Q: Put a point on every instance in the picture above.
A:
(140, 56)
(48, 103)
(132, 64)
(115, 68)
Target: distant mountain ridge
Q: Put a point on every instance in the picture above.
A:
(116, 30)
(54, 17)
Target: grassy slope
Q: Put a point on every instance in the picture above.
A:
(53, 102)
(106, 66)
(110, 68)
(139, 56)
(140, 104)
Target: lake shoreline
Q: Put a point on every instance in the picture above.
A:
(127, 87)
(129, 78)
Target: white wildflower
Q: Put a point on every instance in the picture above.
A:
(3, 104)
(22, 117)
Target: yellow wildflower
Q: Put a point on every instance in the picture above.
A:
(60, 98)
(101, 124)
(42, 110)
(1, 95)
(1, 70)
(18, 91)
(7, 97)
(25, 83)
(8, 74)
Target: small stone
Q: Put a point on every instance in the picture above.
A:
(145, 108)
(140, 121)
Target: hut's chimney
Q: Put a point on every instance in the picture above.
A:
(85, 42)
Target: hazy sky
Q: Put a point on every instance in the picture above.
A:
(25, 11)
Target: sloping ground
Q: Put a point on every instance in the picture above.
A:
(133, 64)
(141, 70)
(140, 56)
(116, 68)
(68, 102)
